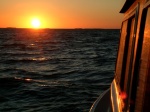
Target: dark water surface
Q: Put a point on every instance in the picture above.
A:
(55, 70)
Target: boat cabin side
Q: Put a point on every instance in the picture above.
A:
(131, 86)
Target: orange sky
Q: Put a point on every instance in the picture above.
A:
(61, 13)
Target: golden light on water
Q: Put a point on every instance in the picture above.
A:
(39, 59)
(28, 79)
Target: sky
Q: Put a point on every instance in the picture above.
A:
(61, 13)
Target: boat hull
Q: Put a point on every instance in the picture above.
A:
(103, 103)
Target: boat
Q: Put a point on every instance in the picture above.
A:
(130, 88)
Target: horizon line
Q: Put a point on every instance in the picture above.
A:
(52, 28)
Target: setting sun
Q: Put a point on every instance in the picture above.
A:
(35, 23)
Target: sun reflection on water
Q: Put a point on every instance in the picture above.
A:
(39, 59)
(32, 44)
(28, 79)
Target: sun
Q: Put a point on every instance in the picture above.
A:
(35, 23)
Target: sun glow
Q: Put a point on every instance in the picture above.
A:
(35, 23)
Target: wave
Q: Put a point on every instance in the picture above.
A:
(13, 45)
(25, 60)
(9, 82)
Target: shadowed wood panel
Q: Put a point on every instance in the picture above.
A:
(143, 93)
(120, 57)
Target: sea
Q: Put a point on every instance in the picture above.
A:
(55, 70)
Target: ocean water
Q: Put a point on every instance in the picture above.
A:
(55, 70)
